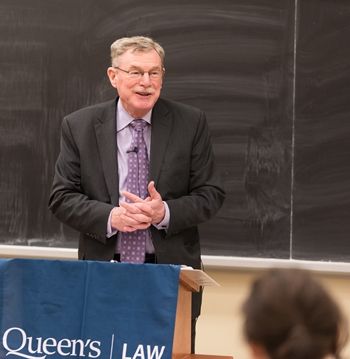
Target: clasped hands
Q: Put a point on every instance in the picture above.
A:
(138, 213)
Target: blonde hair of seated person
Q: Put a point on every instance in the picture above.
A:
(290, 315)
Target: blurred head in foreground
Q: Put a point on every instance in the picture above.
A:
(289, 315)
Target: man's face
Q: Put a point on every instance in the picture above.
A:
(137, 94)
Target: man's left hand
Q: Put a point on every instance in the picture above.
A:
(152, 206)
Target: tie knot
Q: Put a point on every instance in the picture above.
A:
(138, 125)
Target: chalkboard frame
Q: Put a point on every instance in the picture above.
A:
(212, 262)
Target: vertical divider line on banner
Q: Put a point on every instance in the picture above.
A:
(112, 344)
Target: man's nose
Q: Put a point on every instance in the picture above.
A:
(145, 78)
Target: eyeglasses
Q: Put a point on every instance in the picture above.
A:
(138, 73)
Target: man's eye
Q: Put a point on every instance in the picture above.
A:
(135, 73)
(155, 73)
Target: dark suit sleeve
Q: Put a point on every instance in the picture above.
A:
(205, 193)
(69, 200)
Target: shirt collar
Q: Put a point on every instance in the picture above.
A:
(124, 118)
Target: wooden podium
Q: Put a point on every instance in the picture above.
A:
(190, 281)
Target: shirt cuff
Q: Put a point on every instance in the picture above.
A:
(110, 231)
(164, 224)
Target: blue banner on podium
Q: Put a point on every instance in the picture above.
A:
(84, 309)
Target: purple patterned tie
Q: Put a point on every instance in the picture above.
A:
(133, 244)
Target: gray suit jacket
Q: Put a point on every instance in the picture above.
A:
(85, 187)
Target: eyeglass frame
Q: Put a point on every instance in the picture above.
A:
(141, 73)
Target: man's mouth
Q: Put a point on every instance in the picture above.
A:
(144, 93)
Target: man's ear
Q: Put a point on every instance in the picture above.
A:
(113, 77)
(258, 351)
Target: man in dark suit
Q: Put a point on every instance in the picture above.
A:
(90, 190)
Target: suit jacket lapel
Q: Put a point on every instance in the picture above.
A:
(106, 136)
(161, 128)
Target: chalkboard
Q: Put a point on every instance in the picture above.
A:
(272, 77)
(321, 223)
